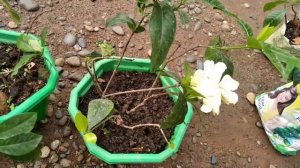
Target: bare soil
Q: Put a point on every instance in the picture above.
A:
(232, 136)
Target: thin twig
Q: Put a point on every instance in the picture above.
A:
(146, 125)
(295, 13)
(121, 58)
(139, 90)
(148, 98)
(94, 78)
(35, 18)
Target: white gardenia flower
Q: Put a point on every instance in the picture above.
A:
(208, 83)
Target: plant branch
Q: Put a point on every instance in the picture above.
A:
(34, 19)
(148, 98)
(140, 90)
(121, 58)
(94, 78)
(146, 125)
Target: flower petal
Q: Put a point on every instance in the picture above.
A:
(217, 72)
(197, 78)
(228, 83)
(208, 67)
(229, 97)
(208, 88)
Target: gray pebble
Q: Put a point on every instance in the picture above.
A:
(63, 155)
(73, 61)
(57, 166)
(70, 53)
(226, 27)
(45, 151)
(60, 62)
(63, 121)
(218, 17)
(75, 146)
(54, 144)
(70, 39)
(52, 98)
(198, 26)
(54, 158)
(82, 42)
(207, 19)
(67, 131)
(80, 158)
(29, 5)
(213, 159)
(118, 30)
(84, 52)
(50, 110)
(77, 76)
(190, 58)
(194, 140)
(37, 164)
(58, 114)
(65, 163)
(197, 10)
(62, 18)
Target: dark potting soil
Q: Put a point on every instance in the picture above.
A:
(292, 30)
(140, 140)
(18, 88)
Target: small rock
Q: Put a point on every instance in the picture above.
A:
(251, 97)
(226, 27)
(80, 158)
(62, 18)
(12, 25)
(58, 114)
(178, 166)
(246, 5)
(45, 151)
(198, 134)
(118, 30)
(70, 39)
(52, 98)
(207, 19)
(77, 47)
(253, 17)
(60, 62)
(20, 166)
(63, 155)
(197, 10)
(54, 158)
(258, 142)
(198, 26)
(82, 42)
(190, 36)
(120, 45)
(84, 52)
(149, 52)
(70, 54)
(73, 61)
(49, 3)
(82, 147)
(258, 124)
(89, 28)
(44, 121)
(131, 45)
(233, 32)
(213, 159)
(218, 17)
(67, 131)
(96, 29)
(77, 76)
(54, 144)
(65, 163)
(63, 121)
(75, 146)
(185, 9)
(272, 166)
(194, 140)
(249, 160)
(29, 5)
(238, 153)
(37, 164)
(191, 6)
(190, 59)
(57, 166)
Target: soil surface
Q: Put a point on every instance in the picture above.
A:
(139, 140)
(232, 138)
(20, 87)
(292, 31)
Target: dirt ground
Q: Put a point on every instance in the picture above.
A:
(232, 137)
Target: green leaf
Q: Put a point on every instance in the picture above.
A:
(270, 5)
(98, 110)
(296, 77)
(121, 18)
(139, 29)
(184, 17)
(245, 26)
(265, 33)
(13, 14)
(90, 137)
(216, 54)
(28, 44)
(274, 18)
(20, 144)
(170, 74)
(178, 113)
(142, 5)
(216, 4)
(162, 32)
(253, 43)
(284, 62)
(18, 124)
(188, 72)
(44, 36)
(81, 122)
(31, 156)
(25, 59)
(190, 93)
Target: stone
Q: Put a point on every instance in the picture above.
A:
(50, 110)
(54, 144)
(226, 27)
(149, 52)
(199, 64)
(258, 142)
(65, 163)
(190, 36)
(218, 17)
(49, 3)
(12, 25)
(63, 121)
(118, 30)
(67, 131)
(81, 42)
(60, 62)
(251, 97)
(207, 19)
(77, 76)
(70, 39)
(45, 151)
(246, 5)
(89, 28)
(238, 153)
(37, 164)
(88, 23)
(131, 45)
(258, 124)
(198, 26)
(213, 159)
(84, 52)
(197, 10)
(96, 29)
(29, 5)
(198, 134)
(75, 146)
(58, 114)
(190, 59)
(194, 140)
(249, 159)
(120, 45)
(57, 166)
(62, 18)
(77, 47)
(73, 61)
(174, 156)
(54, 158)
(20, 166)
(80, 158)
(70, 54)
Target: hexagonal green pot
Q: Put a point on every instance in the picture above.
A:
(128, 64)
(37, 102)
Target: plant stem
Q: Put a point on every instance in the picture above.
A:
(121, 58)
(139, 90)
(148, 98)
(295, 13)
(94, 78)
(146, 125)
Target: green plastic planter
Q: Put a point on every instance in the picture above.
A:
(37, 102)
(128, 64)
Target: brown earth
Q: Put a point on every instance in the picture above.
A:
(232, 136)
